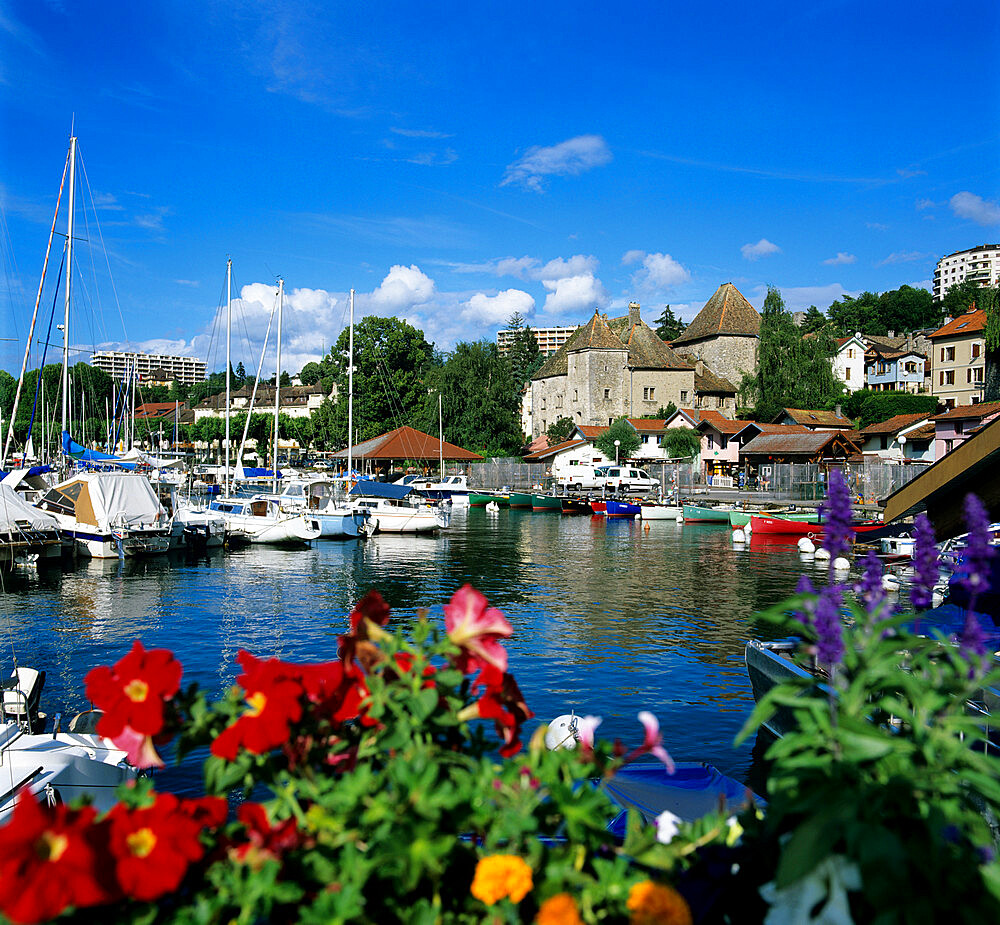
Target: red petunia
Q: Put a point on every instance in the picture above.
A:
(49, 860)
(504, 704)
(133, 692)
(477, 630)
(371, 607)
(264, 841)
(335, 689)
(153, 847)
(273, 703)
(132, 695)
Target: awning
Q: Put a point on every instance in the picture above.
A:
(366, 488)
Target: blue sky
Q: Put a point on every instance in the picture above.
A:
(456, 162)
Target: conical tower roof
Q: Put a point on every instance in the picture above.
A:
(594, 335)
(726, 313)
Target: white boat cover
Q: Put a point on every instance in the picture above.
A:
(100, 498)
(16, 513)
(145, 459)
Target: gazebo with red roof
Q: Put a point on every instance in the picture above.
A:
(407, 443)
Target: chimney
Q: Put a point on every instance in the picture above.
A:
(699, 367)
(633, 312)
(838, 411)
(891, 334)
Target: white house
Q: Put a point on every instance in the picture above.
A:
(849, 363)
(903, 438)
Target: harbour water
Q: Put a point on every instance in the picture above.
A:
(608, 618)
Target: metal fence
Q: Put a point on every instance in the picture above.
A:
(869, 482)
(494, 474)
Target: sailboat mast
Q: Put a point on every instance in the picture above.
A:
(229, 332)
(350, 394)
(440, 441)
(69, 280)
(277, 387)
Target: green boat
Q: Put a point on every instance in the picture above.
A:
(742, 518)
(520, 499)
(481, 499)
(705, 515)
(546, 503)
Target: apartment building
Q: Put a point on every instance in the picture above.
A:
(549, 340)
(981, 264)
(958, 359)
(119, 363)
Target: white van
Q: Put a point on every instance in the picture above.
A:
(582, 478)
(625, 478)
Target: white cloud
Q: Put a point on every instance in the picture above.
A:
(193, 283)
(658, 271)
(902, 257)
(569, 158)
(633, 256)
(419, 133)
(763, 248)
(574, 294)
(922, 204)
(531, 268)
(876, 226)
(841, 257)
(975, 208)
(498, 308)
(799, 298)
(402, 288)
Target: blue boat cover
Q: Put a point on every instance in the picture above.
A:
(81, 453)
(34, 470)
(257, 472)
(369, 489)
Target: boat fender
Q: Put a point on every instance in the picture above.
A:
(806, 545)
(561, 732)
(841, 564)
(739, 536)
(680, 518)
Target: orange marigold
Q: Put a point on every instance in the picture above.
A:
(559, 910)
(501, 875)
(654, 904)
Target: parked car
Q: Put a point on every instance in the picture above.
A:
(625, 478)
(582, 478)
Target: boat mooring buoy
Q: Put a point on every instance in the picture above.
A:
(890, 583)
(561, 732)
(841, 564)
(739, 536)
(822, 555)
(806, 545)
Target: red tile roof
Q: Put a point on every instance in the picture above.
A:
(818, 418)
(721, 423)
(650, 425)
(969, 323)
(408, 443)
(590, 431)
(969, 412)
(553, 450)
(895, 424)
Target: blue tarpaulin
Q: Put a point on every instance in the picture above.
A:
(255, 472)
(81, 453)
(368, 489)
(34, 470)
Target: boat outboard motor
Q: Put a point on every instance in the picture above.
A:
(21, 694)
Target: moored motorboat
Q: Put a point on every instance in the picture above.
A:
(780, 526)
(520, 499)
(391, 509)
(482, 498)
(742, 518)
(598, 507)
(575, 506)
(696, 514)
(546, 503)
(262, 521)
(653, 511)
(621, 509)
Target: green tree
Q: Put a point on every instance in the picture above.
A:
(876, 407)
(628, 440)
(960, 298)
(792, 370)
(682, 442)
(311, 374)
(480, 401)
(989, 301)
(668, 325)
(907, 309)
(390, 360)
(524, 356)
(559, 430)
(814, 320)
(662, 413)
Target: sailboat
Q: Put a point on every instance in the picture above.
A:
(260, 519)
(104, 514)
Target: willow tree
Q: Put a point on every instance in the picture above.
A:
(793, 370)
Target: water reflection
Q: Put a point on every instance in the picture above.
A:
(609, 617)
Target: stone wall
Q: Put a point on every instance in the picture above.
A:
(665, 385)
(727, 356)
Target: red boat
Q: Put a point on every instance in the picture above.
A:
(778, 526)
(598, 507)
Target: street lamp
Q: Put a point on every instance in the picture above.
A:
(618, 443)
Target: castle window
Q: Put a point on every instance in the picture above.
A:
(684, 395)
(607, 394)
(576, 395)
(648, 394)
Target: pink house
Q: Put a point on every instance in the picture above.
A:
(955, 425)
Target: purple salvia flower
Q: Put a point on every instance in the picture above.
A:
(869, 590)
(826, 622)
(837, 532)
(925, 563)
(974, 570)
(804, 616)
(972, 639)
